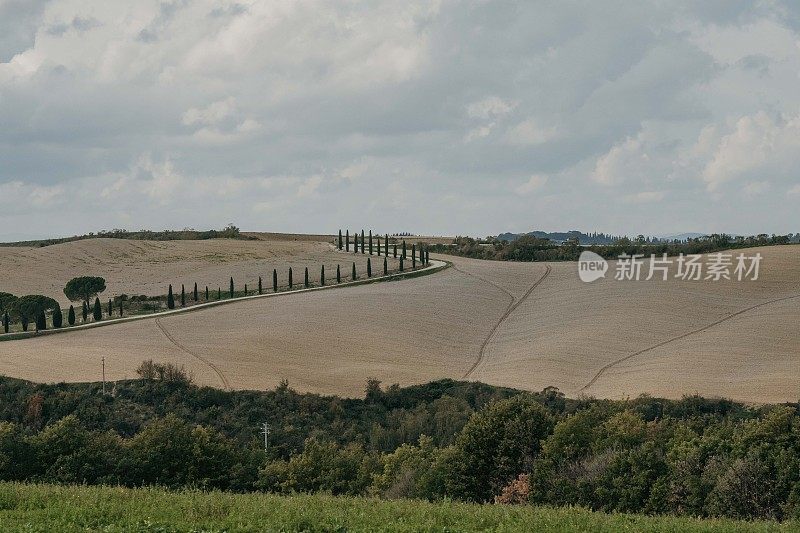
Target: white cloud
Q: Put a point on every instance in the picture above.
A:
(529, 132)
(644, 197)
(212, 114)
(534, 183)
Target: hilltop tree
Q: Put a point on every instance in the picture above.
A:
(369, 268)
(347, 241)
(183, 296)
(413, 256)
(41, 322)
(97, 312)
(386, 247)
(322, 276)
(170, 299)
(385, 266)
(355, 243)
(7, 303)
(290, 278)
(338, 274)
(340, 239)
(362, 241)
(370, 242)
(274, 280)
(84, 288)
(6, 322)
(195, 296)
(305, 280)
(378, 242)
(354, 272)
(58, 317)
(32, 307)
(85, 312)
(260, 287)
(231, 287)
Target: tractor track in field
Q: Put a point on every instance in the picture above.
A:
(225, 383)
(512, 306)
(614, 363)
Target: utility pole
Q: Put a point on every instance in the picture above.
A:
(104, 375)
(265, 429)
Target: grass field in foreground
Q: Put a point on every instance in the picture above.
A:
(52, 508)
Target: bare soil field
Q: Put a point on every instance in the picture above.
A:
(149, 267)
(525, 325)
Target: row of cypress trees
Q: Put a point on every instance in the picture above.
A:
(307, 283)
(343, 243)
(97, 311)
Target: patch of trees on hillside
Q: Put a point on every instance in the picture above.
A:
(468, 441)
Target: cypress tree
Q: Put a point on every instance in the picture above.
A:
(41, 322)
(260, 288)
(355, 243)
(231, 287)
(338, 274)
(206, 292)
(195, 296)
(121, 305)
(369, 267)
(274, 280)
(347, 241)
(290, 278)
(58, 317)
(386, 247)
(404, 249)
(340, 239)
(245, 289)
(322, 276)
(370, 242)
(24, 321)
(379, 244)
(70, 316)
(219, 293)
(395, 250)
(413, 256)
(421, 255)
(401, 263)
(85, 310)
(362, 241)
(354, 272)
(427, 257)
(170, 299)
(98, 310)
(305, 279)
(6, 321)
(183, 296)
(385, 266)
(110, 308)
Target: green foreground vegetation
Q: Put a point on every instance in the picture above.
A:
(442, 441)
(34, 508)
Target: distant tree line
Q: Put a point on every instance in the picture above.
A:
(228, 232)
(531, 248)
(446, 439)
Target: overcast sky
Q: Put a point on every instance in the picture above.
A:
(432, 117)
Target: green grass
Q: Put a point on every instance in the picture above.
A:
(25, 507)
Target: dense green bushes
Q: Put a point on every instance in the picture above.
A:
(444, 439)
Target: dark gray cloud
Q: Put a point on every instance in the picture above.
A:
(451, 117)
